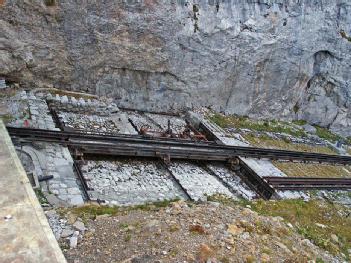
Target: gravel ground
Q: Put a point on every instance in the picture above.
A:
(130, 182)
(177, 124)
(141, 121)
(187, 232)
(92, 123)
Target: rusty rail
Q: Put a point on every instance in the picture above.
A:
(308, 183)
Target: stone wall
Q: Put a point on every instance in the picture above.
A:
(287, 59)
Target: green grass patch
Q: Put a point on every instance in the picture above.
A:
(91, 211)
(267, 142)
(300, 169)
(313, 170)
(234, 121)
(305, 215)
(123, 225)
(299, 122)
(154, 205)
(41, 197)
(227, 201)
(242, 122)
(324, 133)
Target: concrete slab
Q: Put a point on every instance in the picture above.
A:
(25, 235)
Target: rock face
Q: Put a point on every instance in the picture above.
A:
(287, 59)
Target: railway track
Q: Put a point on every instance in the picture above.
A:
(131, 145)
(105, 144)
(308, 183)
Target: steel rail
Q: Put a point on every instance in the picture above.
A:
(308, 183)
(57, 135)
(85, 186)
(312, 187)
(305, 180)
(157, 150)
(193, 152)
(150, 147)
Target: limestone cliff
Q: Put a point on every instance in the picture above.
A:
(287, 59)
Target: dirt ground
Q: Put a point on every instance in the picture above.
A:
(186, 232)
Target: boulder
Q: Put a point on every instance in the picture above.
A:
(66, 233)
(73, 241)
(309, 128)
(79, 225)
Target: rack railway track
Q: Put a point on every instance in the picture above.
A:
(105, 144)
(136, 145)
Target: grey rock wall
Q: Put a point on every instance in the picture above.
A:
(287, 59)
